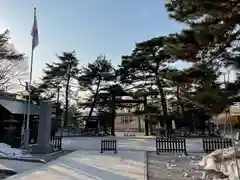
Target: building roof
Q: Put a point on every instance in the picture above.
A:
(7, 95)
(18, 107)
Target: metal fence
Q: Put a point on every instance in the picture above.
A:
(109, 145)
(56, 143)
(210, 145)
(171, 145)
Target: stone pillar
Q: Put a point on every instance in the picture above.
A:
(44, 145)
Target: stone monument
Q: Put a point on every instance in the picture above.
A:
(44, 145)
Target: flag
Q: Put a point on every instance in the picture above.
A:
(34, 32)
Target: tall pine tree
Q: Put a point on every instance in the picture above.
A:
(96, 75)
(148, 63)
(210, 43)
(60, 74)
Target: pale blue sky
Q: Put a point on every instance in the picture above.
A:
(90, 27)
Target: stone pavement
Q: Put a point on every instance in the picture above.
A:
(90, 165)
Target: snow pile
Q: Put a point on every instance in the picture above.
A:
(6, 150)
(222, 164)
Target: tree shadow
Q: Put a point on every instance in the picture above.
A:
(123, 165)
(90, 165)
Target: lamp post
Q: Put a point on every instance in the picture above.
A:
(58, 108)
(23, 135)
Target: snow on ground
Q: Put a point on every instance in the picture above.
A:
(127, 143)
(93, 143)
(135, 134)
(90, 165)
(6, 150)
(222, 162)
(194, 145)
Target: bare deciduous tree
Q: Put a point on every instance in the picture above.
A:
(13, 65)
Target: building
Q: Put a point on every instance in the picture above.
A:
(129, 122)
(8, 95)
(126, 120)
(234, 117)
(12, 113)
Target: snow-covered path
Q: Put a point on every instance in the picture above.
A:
(90, 165)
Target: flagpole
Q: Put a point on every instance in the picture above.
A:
(27, 132)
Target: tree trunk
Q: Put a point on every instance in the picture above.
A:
(164, 107)
(180, 101)
(150, 124)
(94, 99)
(97, 126)
(139, 124)
(113, 112)
(66, 100)
(139, 119)
(146, 117)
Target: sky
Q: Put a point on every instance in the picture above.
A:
(90, 27)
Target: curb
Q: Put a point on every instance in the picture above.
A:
(36, 160)
(43, 159)
(50, 154)
(55, 155)
(9, 172)
(24, 159)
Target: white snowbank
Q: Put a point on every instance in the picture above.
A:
(6, 150)
(222, 163)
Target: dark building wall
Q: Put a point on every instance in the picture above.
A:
(4, 114)
(10, 127)
(13, 137)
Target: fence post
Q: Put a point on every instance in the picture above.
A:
(115, 146)
(185, 148)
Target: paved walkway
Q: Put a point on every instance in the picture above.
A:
(90, 165)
